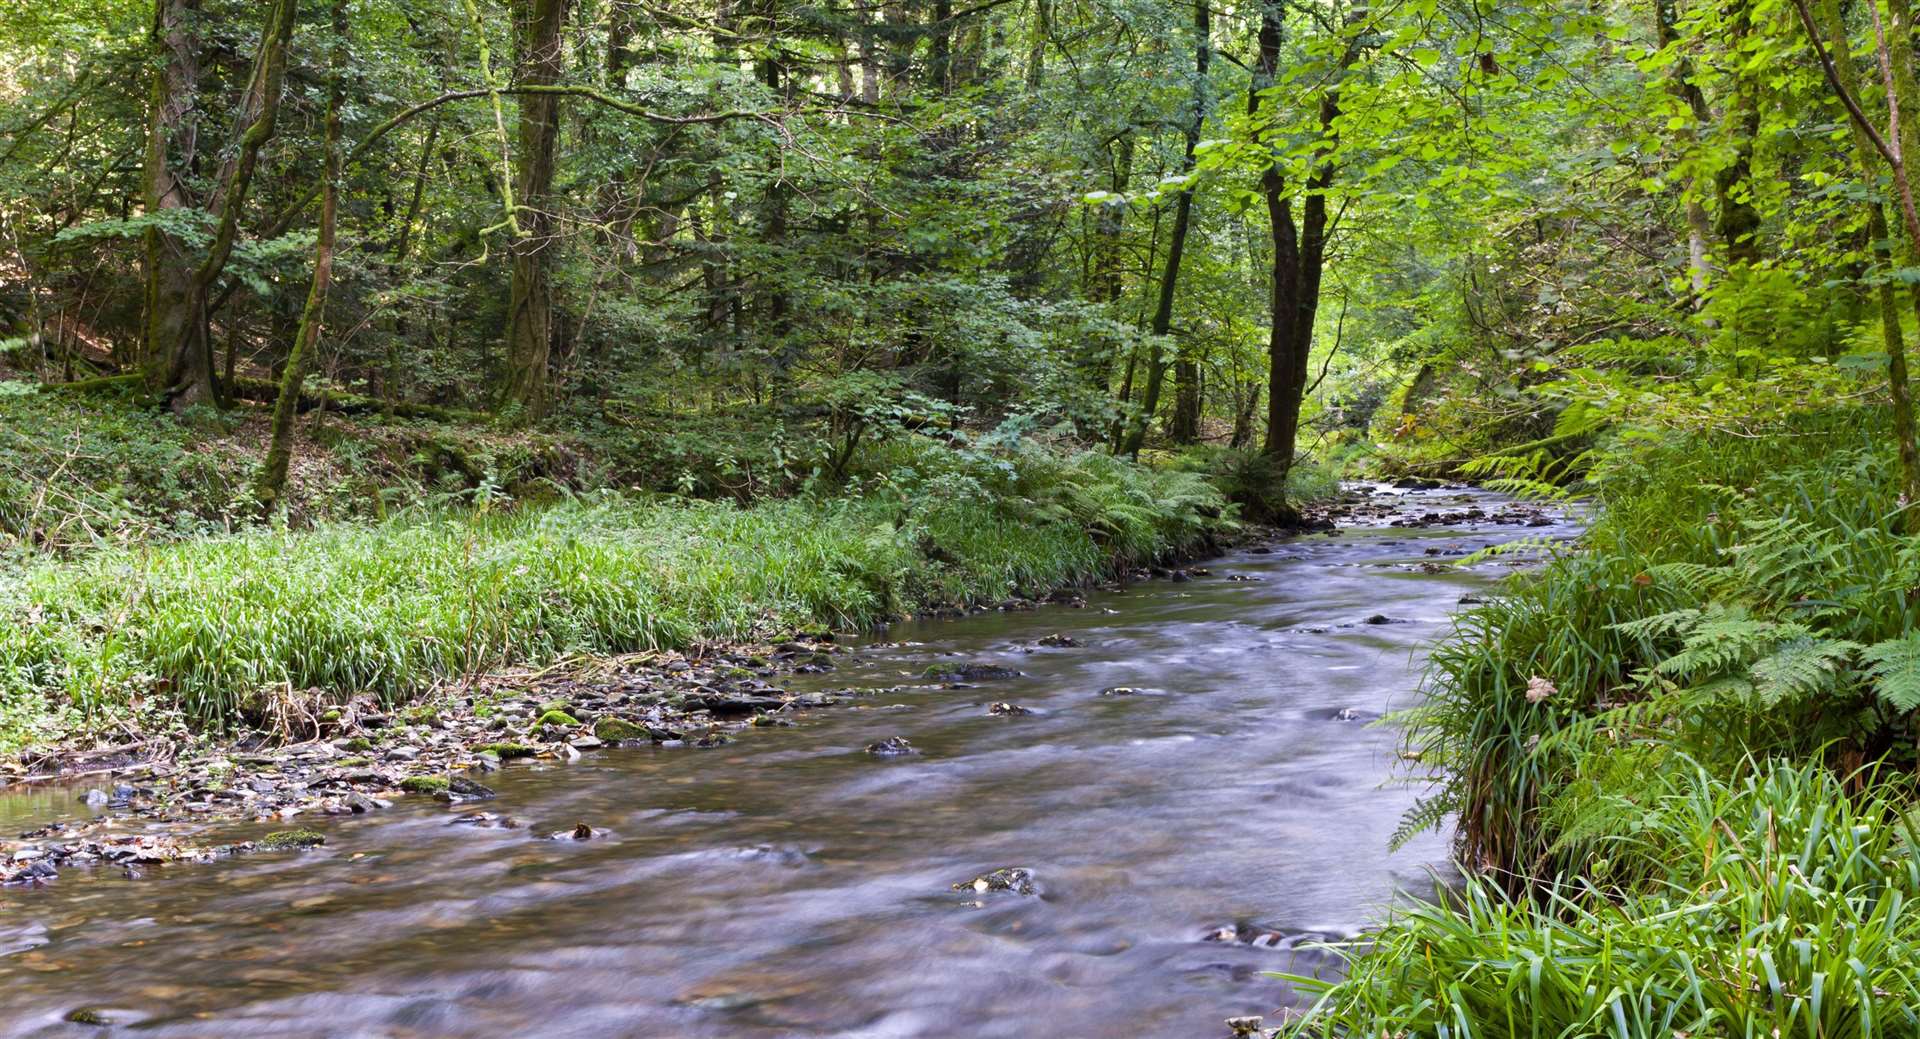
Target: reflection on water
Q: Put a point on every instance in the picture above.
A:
(791, 885)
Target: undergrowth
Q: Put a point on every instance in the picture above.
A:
(1784, 910)
(216, 626)
(1593, 730)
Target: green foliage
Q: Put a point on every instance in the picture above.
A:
(214, 624)
(1772, 904)
(1733, 596)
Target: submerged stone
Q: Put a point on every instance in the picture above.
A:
(892, 746)
(974, 672)
(1016, 879)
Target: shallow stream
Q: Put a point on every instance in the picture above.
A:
(792, 885)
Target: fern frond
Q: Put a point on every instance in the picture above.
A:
(1726, 640)
(1801, 667)
(1894, 667)
(1672, 622)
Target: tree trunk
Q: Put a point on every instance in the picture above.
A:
(172, 143)
(1177, 242)
(537, 32)
(1895, 51)
(1299, 256)
(1739, 221)
(272, 483)
(1680, 84)
(179, 347)
(1903, 108)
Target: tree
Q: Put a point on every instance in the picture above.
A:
(540, 61)
(272, 480)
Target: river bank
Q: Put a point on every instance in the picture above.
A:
(147, 797)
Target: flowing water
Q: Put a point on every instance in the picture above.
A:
(791, 885)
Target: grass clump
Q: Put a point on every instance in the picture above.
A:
(1781, 909)
(214, 625)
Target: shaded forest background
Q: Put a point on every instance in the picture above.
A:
(731, 242)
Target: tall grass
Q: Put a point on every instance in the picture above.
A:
(1720, 603)
(1785, 910)
(209, 624)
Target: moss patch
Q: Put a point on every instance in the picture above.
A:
(288, 840)
(560, 719)
(613, 730)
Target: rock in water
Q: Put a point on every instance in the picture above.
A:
(1245, 1026)
(958, 672)
(1008, 709)
(891, 747)
(1017, 879)
(1059, 641)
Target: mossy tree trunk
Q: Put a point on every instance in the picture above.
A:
(272, 483)
(1894, 51)
(178, 352)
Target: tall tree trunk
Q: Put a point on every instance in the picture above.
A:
(1739, 219)
(1286, 372)
(1299, 254)
(172, 143)
(1680, 83)
(1903, 110)
(272, 482)
(774, 288)
(1037, 44)
(1162, 321)
(179, 347)
(537, 31)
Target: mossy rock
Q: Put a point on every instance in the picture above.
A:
(555, 707)
(614, 730)
(508, 751)
(425, 784)
(353, 762)
(289, 840)
(558, 719)
(89, 1016)
(359, 743)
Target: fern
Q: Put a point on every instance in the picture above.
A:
(1894, 667)
(1725, 640)
(1672, 622)
(1695, 579)
(1801, 667)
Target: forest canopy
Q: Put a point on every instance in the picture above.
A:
(1136, 224)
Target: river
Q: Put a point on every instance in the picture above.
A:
(792, 885)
